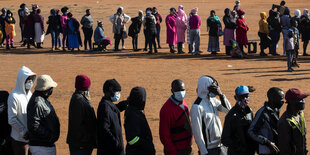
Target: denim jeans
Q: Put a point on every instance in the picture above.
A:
(284, 33)
(79, 151)
(151, 39)
(289, 54)
(158, 34)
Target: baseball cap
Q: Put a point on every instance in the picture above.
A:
(241, 90)
(295, 94)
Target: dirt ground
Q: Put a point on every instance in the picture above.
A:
(154, 72)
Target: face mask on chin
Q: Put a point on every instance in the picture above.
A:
(116, 97)
(179, 95)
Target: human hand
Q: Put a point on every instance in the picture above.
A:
(273, 147)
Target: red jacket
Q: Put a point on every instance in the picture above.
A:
(241, 32)
(172, 132)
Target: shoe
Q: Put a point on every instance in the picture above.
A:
(275, 54)
(262, 54)
(144, 49)
(12, 46)
(156, 51)
(64, 49)
(196, 53)
(53, 49)
(150, 52)
(86, 50)
(213, 53)
(123, 48)
(181, 52)
(290, 69)
(116, 50)
(305, 54)
(159, 47)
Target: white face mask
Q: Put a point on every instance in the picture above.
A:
(212, 95)
(116, 97)
(29, 85)
(179, 95)
(242, 16)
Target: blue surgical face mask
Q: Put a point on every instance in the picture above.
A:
(212, 95)
(116, 97)
(179, 95)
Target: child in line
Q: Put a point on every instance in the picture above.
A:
(290, 47)
(295, 30)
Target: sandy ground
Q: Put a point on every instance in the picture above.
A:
(154, 72)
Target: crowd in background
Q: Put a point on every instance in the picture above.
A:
(180, 28)
(30, 125)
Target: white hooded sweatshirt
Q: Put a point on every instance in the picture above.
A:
(17, 105)
(206, 123)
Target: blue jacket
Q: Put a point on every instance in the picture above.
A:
(99, 35)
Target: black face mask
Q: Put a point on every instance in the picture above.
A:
(301, 105)
(50, 92)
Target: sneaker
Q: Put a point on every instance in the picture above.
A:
(263, 54)
(123, 48)
(181, 52)
(275, 54)
(290, 69)
(305, 54)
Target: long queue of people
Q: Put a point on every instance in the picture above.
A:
(180, 29)
(30, 125)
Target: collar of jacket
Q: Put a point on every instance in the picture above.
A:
(242, 111)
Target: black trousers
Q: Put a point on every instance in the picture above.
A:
(88, 33)
(151, 35)
(135, 42)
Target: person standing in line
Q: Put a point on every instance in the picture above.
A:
(175, 129)
(5, 130)
(241, 31)
(54, 28)
(21, 15)
(10, 30)
(305, 30)
(188, 36)
(263, 34)
(181, 28)
(158, 21)
(194, 24)
(292, 124)
(138, 133)
(110, 137)
(38, 21)
(171, 30)
(87, 26)
(42, 121)
(285, 24)
(275, 30)
(229, 30)
(119, 19)
(82, 126)
(237, 122)
(149, 23)
(206, 123)
(2, 23)
(134, 30)
(264, 128)
(214, 26)
(64, 25)
(17, 110)
(74, 37)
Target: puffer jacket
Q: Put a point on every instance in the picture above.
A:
(235, 131)
(82, 126)
(43, 123)
(206, 123)
(138, 133)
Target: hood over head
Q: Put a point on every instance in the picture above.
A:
(22, 76)
(305, 12)
(297, 13)
(263, 15)
(137, 98)
(194, 11)
(204, 83)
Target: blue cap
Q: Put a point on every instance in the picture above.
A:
(240, 90)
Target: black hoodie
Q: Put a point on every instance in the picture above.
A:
(138, 134)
